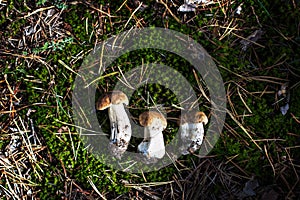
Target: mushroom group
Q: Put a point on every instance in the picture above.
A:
(153, 145)
(192, 131)
(119, 121)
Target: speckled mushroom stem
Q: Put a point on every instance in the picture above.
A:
(192, 137)
(153, 145)
(120, 124)
(192, 131)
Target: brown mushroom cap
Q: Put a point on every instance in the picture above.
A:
(194, 117)
(200, 117)
(147, 118)
(109, 98)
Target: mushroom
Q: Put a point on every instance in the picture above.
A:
(119, 121)
(192, 131)
(153, 144)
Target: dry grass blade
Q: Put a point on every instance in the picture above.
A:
(243, 128)
(101, 77)
(231, 72)
(200, 86)
(132, 14)
(228, 30)
(10, 89)
(250, 41)
(268, 79)
(242, 99)
(173, 161)
(95, 188)
(121, 6)
(151, 184)
(68, 68)
(99, 10)
(295, 118)
(148, 194)
(79, 127)
(124, 80)
(168, 9)
(38, 10)
(269, 159)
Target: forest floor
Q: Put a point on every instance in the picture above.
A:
(255, 45)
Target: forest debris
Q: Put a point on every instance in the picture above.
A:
(270, 195)
(256, 35)
(191, 5)
(13, 146)
(250, 186)
(248, 189)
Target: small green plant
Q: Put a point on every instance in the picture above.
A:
(54, 45)
(58, 3)
(41, 2)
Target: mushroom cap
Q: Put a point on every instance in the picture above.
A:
(110, 98)
(148, 117)
(194, 117)
(200, 117)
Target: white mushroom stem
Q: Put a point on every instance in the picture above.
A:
(192, 131)
(192, 136)
(120, 124)
(156, 146)
(153, 145)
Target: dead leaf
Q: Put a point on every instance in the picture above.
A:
(250, 187)
(270, 195)
(256, 35)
